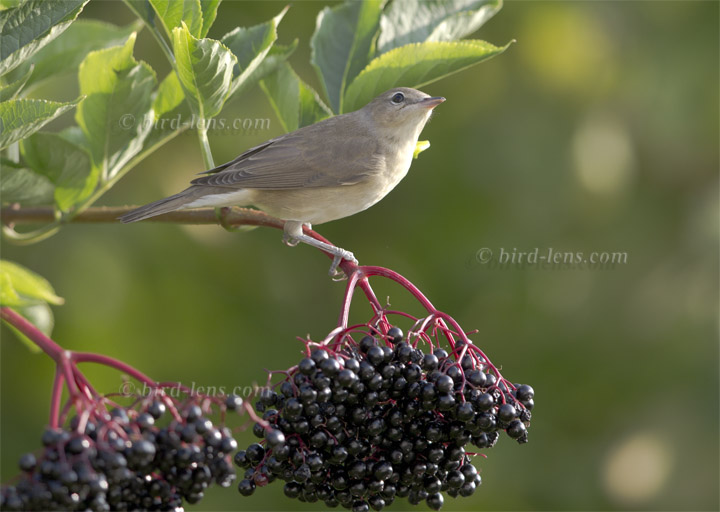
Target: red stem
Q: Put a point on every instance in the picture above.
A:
(47, 345)
(89, 357)
(56, 397)
(394, 276)
(80, 389)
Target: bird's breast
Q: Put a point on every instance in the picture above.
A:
(324, 204)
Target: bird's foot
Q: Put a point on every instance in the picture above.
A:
(221, 214)
(336, 274)
(290, 240)
(339, 254)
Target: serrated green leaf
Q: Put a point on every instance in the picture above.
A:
(30, 26)
(116, 115)
(417, 21)
(251, 45)
(205, 68)
(209, 12)
(21, 185)
(65, 164)
(295, 103)
(65, 53)
(173, 13)
(416, 65)
(22, 287)
(21, 118)
(343, 44)
(11, 90)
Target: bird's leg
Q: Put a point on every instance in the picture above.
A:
(293, 234)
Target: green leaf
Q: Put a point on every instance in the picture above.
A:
(11, 90)
(146, 13)
(40, 315)
(20, 118)
(416, 65)
(343, 44)
(21, 185)
(22, 287)
(169, 95)
(65, 53)
(30, 26)
(173, 13)
(251, 45)
(275, 58)
(205, 68)
(116, 116)
(209, 12)
(8, 295)
(65, 164)
(295, 103)
(74, 135)
(9, 4)
(172, 113)
(417, 21)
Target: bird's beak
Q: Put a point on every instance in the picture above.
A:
(431, 103)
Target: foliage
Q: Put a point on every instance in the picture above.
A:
(30, 295)
(359, 49)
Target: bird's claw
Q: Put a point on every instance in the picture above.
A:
(290, 241)
(342, 254)
(221, 214)
(291, 237)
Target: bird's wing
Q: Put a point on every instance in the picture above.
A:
(309, 157)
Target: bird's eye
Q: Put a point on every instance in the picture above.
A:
(398, 98)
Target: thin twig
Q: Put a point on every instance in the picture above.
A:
(13, 215)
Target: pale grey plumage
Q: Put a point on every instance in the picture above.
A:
(322, 172)
(365, 146)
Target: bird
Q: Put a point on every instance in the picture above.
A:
(322, 172)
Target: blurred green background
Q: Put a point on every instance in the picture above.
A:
(596, 131)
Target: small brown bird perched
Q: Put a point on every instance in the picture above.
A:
(322, 172)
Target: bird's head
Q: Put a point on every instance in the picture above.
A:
(402, 107)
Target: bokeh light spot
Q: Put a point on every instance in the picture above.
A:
(637, 469)
(603, 154)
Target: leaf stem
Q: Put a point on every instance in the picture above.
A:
(205, 146)
(155, 33)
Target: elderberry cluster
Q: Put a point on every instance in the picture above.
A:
(365, 424)
(124, 461)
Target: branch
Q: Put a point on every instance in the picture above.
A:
(14, 215)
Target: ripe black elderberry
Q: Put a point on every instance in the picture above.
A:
(125, 461)
(362, 424)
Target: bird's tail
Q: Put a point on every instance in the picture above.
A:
(169, 204)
